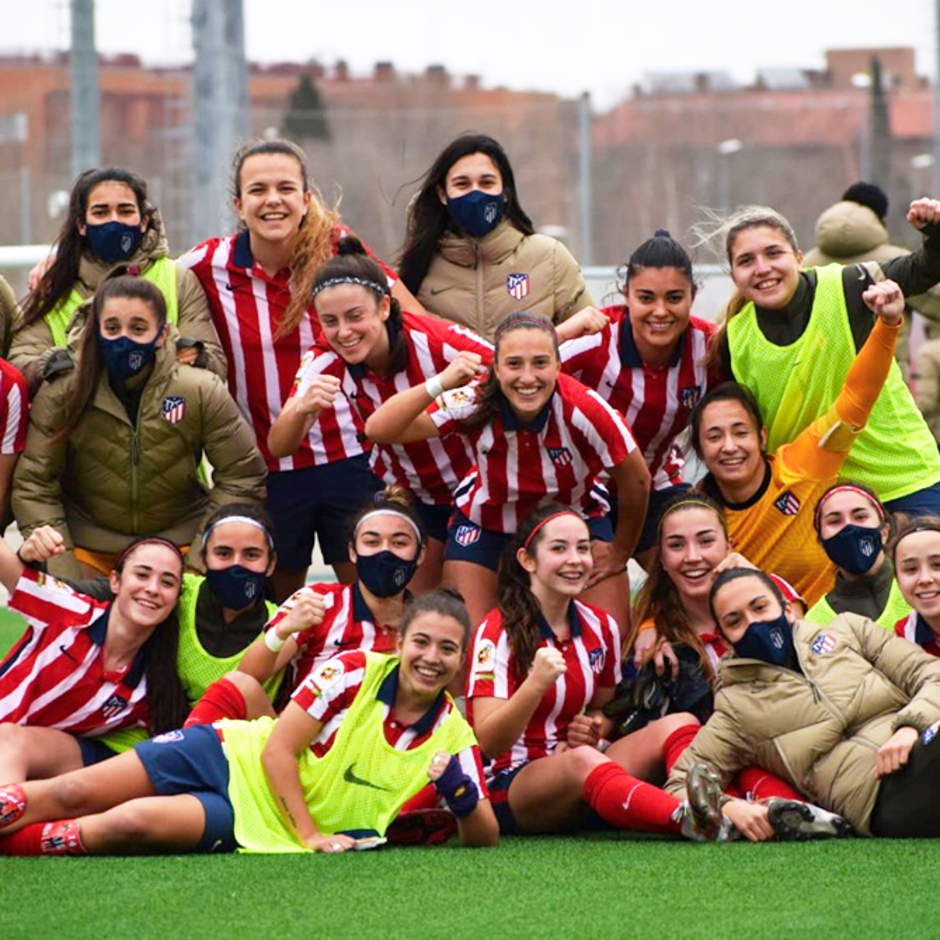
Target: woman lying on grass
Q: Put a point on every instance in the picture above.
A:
(363, 733)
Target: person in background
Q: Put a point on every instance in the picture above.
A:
(915, 552)
(472, 255)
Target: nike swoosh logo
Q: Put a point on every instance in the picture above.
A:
(350, 777)
(440, 290)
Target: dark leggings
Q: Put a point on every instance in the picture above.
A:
(908, 806)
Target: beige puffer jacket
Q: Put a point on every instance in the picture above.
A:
(819, 730)
(32, 344)
(110, 482)
(468, 282)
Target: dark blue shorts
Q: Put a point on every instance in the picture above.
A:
(192, 761)
(94, 751)
(924, 502)
(318, 502)
(469, 542)
(499, 797)
(434, 519)
(654, 512)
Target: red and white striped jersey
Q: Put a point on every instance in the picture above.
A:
(54, 677)
(247, 307)
(913, 627)
(592, 655)
(328, 693)
(430, 469)
(559, 456)
(14, 409)
(655, 400)
(347, 625)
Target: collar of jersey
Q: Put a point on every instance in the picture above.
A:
(923, 635)
(243, 258)
(389, 689)
(712, 489)
(98, 632)
(574, 624)
(629, 354)
(361, 612)
(537, 424)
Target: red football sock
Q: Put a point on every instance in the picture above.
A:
(61, 837)
(628, 803)
(762, 785)
(677, 742)
(221, 700)
(423, 799)
(28, 841)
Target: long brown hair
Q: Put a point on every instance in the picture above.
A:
(658, 598)
(88, 371)
(519, 607)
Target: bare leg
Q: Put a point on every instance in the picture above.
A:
(149, 824)
(476, 584)
(612, 594)
(35, 753)
(287, 581)
(256, 699)
(345, 572)
(641, 753)
(547, 795)
(428, 575)
(84, 792)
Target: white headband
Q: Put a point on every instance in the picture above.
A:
(243, 519)
(389, 512)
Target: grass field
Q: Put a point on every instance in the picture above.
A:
(11, 629)
(545, 887)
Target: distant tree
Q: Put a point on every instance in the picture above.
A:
(306, 113)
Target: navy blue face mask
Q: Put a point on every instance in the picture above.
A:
(236, 587)
(854, 548)
(113, 241)
(384, 573)
(770, 641)
(477, 213)
(124, 358)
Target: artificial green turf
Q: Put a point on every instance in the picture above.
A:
(546, 887)
(11, 629)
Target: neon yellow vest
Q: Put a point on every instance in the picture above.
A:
(197, 668)
(895, 454)
(895, 609)
(162, 273)
(337, 802)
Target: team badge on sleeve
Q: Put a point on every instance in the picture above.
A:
(823, 644)
(787, 503)
(517, 285)
(174, 408)
(168, 737)
(466, 535)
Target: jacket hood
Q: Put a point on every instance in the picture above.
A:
(848, 229)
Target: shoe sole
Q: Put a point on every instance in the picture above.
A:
(704, 792)
(796, 822)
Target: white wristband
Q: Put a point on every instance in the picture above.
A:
(433, 387)
(272, 641)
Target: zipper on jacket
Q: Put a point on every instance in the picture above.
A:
(478, 272)
(135, 464)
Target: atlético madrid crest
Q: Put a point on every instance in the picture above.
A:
(174, 408)
(517, 285)
(467, 534)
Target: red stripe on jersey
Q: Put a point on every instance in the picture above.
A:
(593, 661)
(341, 631)
(655, 400)
(907, 627)
(14, 409)
(521, 468)
(54, 677)
(246, 307)
(328, 693)
(430, 469)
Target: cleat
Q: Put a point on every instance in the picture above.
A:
(422, 827)
(701, 814)
(796, 821)
(62, 837)
(12, 804)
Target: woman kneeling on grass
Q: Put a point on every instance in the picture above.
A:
(847, 712)
(362, 735)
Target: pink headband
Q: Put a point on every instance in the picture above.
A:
(545, 522)
(847, 488)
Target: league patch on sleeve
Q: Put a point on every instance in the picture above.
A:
(485, 659)
(327, 675)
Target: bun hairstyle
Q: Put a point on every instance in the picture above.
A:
(352, 265)
(445, 602)
(519, 607)
(393, 498)
(660, 251)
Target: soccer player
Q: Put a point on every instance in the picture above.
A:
(846, 712)
(537, 436)
(361, 735)
(14, 420)
(769, 500)
(649, 363)
(542, 667)
(84, 668)
(373, 349)
(915, 551)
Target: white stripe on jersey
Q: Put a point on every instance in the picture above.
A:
(15, 415)
(910, 627)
